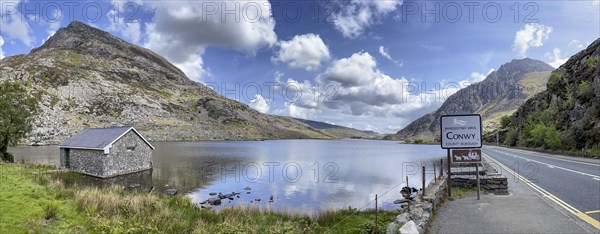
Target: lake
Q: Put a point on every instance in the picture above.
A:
(304, 176)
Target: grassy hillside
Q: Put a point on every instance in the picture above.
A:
(337, 131)
(565, 117)
(499, 94)
(531, 84)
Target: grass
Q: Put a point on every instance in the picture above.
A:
(460, 192)
(33, 199)
(27, 205)
(534, 82)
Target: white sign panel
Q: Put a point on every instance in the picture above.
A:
(461, 131)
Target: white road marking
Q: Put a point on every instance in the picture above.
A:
(549, 157)
(598, 179)
(548, 195)
(553, 166)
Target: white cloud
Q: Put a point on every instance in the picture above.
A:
(555, 59)
(356, 70)
(193, 67)
(576, 45)
(12, 24)
(54, 23)
(306, 51)
(352, 19)
(182, 30)
(130, 30)
(364, 90)
(532, 35)
(1, 44)
(383, 51)
(300, 112)
(278, 75)
(386, 54)
(259, 104)
(478, 77)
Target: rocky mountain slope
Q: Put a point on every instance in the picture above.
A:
(84, 77)
(340, 131)
(499, 94)
(567, 115)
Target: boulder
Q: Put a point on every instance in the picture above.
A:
(392, 228)
(402, 218)
(214, 201)
(172, 191)
(409, 227)
(416, 213)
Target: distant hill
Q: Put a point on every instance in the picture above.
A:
(340, 131)
(567, 115)
(85, 77)
(499, 94)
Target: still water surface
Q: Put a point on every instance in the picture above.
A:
(304, 176)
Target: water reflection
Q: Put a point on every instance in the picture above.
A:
(301, 175)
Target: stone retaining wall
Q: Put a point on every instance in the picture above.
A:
(489, 179)
(495, 183)
(419, 210)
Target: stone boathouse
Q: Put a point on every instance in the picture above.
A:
(106, 152)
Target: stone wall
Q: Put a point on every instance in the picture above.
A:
(122, 161)
(497, 184)
(85, 161)
(489, 178)
(419, 210)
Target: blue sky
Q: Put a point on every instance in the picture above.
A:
(368, 64)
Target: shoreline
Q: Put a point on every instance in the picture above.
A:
(45, 204)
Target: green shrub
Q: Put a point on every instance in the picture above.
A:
(592, 61)
(552, 138)
(505, 121)
(50, 210)
(554, 79)
(510, 137)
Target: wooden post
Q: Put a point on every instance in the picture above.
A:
(408, 200)
(448, 181)
(423, 185)
(477, 171)
(376, 211)
(434, 173)
(441, 167)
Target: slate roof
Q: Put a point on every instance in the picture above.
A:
(98, 138)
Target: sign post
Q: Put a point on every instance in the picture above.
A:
(461, 136)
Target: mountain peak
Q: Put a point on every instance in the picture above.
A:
(528, 63)
(77, 36)
(83, 39)
(493, 97)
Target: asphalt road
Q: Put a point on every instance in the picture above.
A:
(572, 181)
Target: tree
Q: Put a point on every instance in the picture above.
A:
(552, 138)
(17, 109)
(504, 121)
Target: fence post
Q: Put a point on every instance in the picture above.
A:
(434, 173)
(423, 194)
(408, 201)
(441, 167)
(376, 211)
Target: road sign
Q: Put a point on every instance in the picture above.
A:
(461, 131)
(465, 155)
